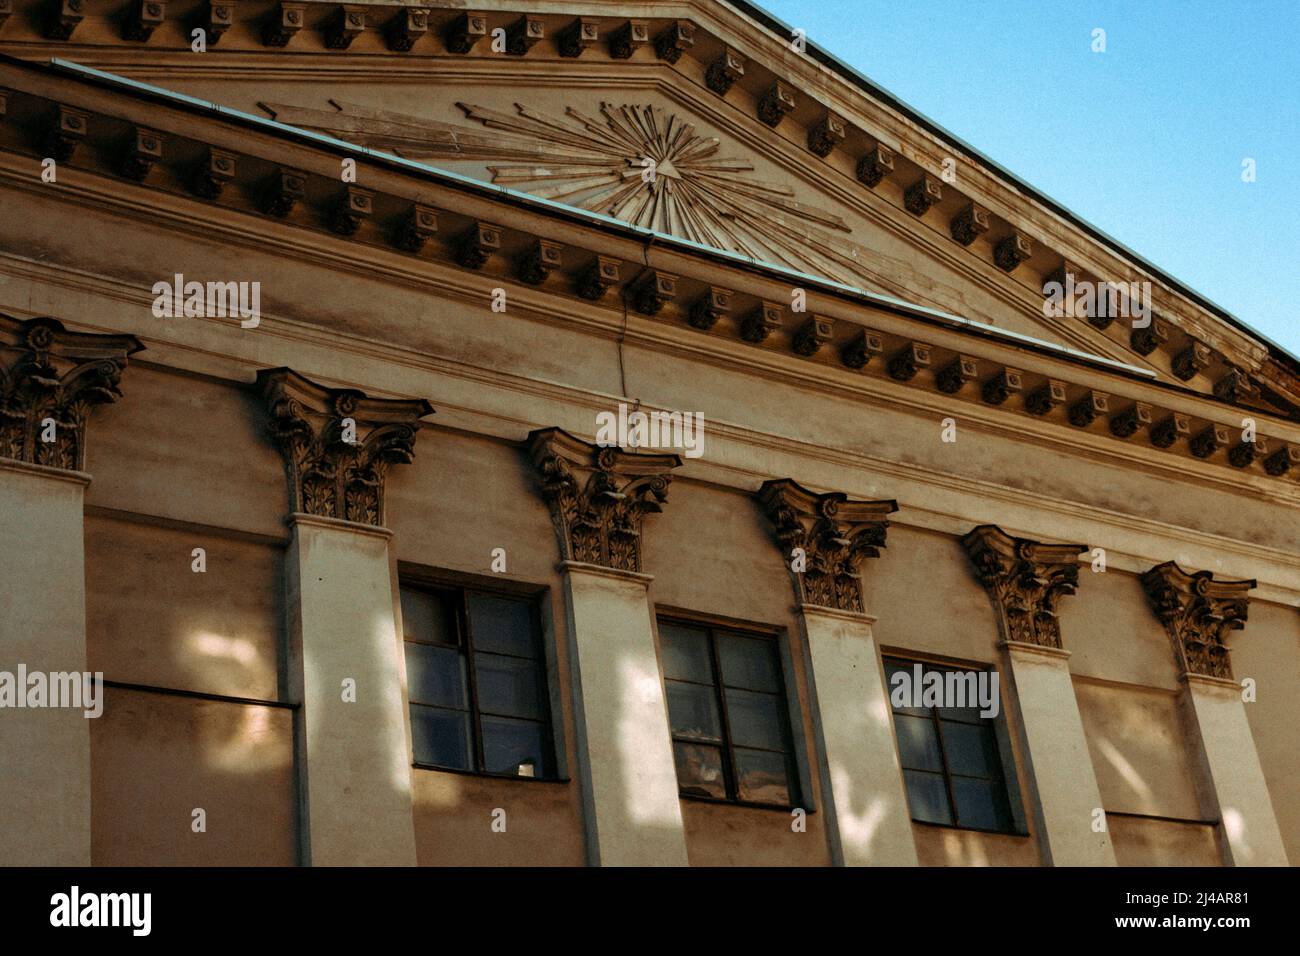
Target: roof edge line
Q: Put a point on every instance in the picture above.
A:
(772, 22)
(648, 236)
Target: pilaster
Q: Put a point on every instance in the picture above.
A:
(823, 539)
(50, 381)
(599, 498)
(1026, 579)
(1198, 612)
(345, 660)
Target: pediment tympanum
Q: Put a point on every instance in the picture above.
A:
(707, 184)
(637, 162)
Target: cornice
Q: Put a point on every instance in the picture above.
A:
(673, 340)
(867, 117)
(1117, 413)
(789, 155)
(333, 341)
(1007, 200)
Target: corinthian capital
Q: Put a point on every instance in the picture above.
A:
(1198, 611)
(338, 443)
(831, 533)
(50, 379)
(599, 496)
(1026, 580)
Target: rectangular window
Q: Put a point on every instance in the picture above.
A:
(476, 676)
(952, 764)
(728, 713)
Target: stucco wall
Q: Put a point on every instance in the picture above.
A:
(1268, 652)
(156, 758)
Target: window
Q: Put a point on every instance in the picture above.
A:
(729, 717)
(952, 762)
(477, 682)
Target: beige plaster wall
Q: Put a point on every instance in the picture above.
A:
(711, 553)
(1112, 634)
(1268, 652)
(519, 343)
(1146, 842)
(926, 599)
(947, 846)
(719, 835)
(189, 449)
(152, 620)
(462, 497)
(1139, 749)
(454, 817)
(155, 758)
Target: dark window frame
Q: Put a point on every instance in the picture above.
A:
(460, 588)
(1007, 777)
(725, 745)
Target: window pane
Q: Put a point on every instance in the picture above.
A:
(755, 719)
(763, 777)
(981, 803)
(502, 625)
(908, 688)
(428, 616)
(515, 747)
(968, 686)
(927, 797)
(748, 662)
(699, 770)
(693, 711)
(435, 675)
(971, 749)
(686, 653)
(918, 743)
(440, 738)
(507, 685)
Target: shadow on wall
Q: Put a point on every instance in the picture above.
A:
(180, 778)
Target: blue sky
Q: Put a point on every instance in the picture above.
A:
(1145, 140)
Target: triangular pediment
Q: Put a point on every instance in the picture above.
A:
(652, 160)
(642, 162)
(780, 155)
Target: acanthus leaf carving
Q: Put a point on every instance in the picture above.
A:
(50, 380)
(834, 534)
(599, 496)
(1197, 612)
(1026, 580)
(338, 444)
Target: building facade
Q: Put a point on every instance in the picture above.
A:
(549, 434)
